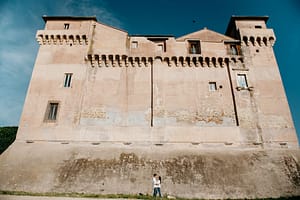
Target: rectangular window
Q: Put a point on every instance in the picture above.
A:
(66, 26)
(134, 45)
(67, 81)
(234, 50)
(257, 26)
(242, 80)
(51, 112)
(194, 47)
(160, 48)
(212, 86)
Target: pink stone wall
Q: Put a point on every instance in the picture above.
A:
(155, 90)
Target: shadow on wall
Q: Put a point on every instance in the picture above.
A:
(7, 137)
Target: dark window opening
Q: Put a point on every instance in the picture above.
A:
(52, 110)
(233, 49)
(194, 47)
(258, 26)
(66, 26)
(67, 82)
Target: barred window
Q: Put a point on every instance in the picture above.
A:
(66, 26)
(51, 111)
(67, 81)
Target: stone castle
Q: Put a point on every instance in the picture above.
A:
(93, 82)
(98, 94)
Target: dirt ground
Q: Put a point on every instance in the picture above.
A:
(14, 197)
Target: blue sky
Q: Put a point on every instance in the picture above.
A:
(20, 19)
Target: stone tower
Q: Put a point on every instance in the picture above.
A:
(106, 109)
(264, 109)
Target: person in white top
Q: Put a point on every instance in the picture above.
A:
(156, 185)
(153, 184)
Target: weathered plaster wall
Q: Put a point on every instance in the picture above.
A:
(47, 84)
(187, 171)
(182, 97)
(117, 96)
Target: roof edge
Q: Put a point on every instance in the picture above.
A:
(46, 18)
(152, 35)
(233, 18)
(228, 38)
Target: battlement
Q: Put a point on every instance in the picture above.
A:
(61, 37)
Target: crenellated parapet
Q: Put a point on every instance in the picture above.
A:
(97, 60)
(45, 38)
(118, 61)
(258, 37)
(258, 41)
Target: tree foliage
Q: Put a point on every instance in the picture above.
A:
(7, 137)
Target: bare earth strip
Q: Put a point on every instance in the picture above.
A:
(17, 197)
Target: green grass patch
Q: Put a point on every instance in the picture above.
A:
(111, 196)
(7, 137)
(81, 195)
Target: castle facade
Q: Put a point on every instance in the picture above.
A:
(94, 82)
(106, 110)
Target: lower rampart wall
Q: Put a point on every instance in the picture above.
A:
(187, 170)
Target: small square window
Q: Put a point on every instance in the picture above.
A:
(212, 86)
(67, 81)
(160, 47)
(51, 112)
(66, 26)
(242, 80)
(134, 45)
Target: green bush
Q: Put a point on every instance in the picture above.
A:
(7, 137)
